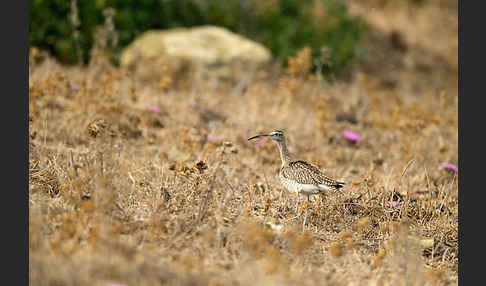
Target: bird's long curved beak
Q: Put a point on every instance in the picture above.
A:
(258, 136)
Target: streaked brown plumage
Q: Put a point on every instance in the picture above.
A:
(306, 173)
(300, 176)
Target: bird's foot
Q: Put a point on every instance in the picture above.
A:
(292, 218)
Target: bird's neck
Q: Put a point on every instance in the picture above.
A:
(285, 155)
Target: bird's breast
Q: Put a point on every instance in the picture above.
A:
(293, 186)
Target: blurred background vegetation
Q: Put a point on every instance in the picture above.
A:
(68, 29)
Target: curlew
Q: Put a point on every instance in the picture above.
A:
(300, 176)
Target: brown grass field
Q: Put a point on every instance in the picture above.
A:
(124, 194)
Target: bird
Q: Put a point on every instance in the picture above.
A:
(299, 176)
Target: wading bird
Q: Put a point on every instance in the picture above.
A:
(300, 176)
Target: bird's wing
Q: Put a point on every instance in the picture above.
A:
(305, 173)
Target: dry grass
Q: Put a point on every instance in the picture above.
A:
(123, 194)
(412, 45)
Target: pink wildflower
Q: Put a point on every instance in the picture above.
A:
(395, 204)
(74, 86)
(449, 166)
(154, 108)
(260, 143)
(351, 135)
(212, 138)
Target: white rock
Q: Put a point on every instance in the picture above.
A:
(212, 50)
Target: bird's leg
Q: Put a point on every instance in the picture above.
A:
(298, 203)
(306, 213)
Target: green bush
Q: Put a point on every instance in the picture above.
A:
(284, 26)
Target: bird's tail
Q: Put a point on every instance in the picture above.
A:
(339, 184)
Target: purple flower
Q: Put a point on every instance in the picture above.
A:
(260, 143)
(351, 135)
(395, 204)
(74, 86)
(449, 166)
(212, 138)
(154, 108)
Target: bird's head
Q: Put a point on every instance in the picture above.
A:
(276, 135)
